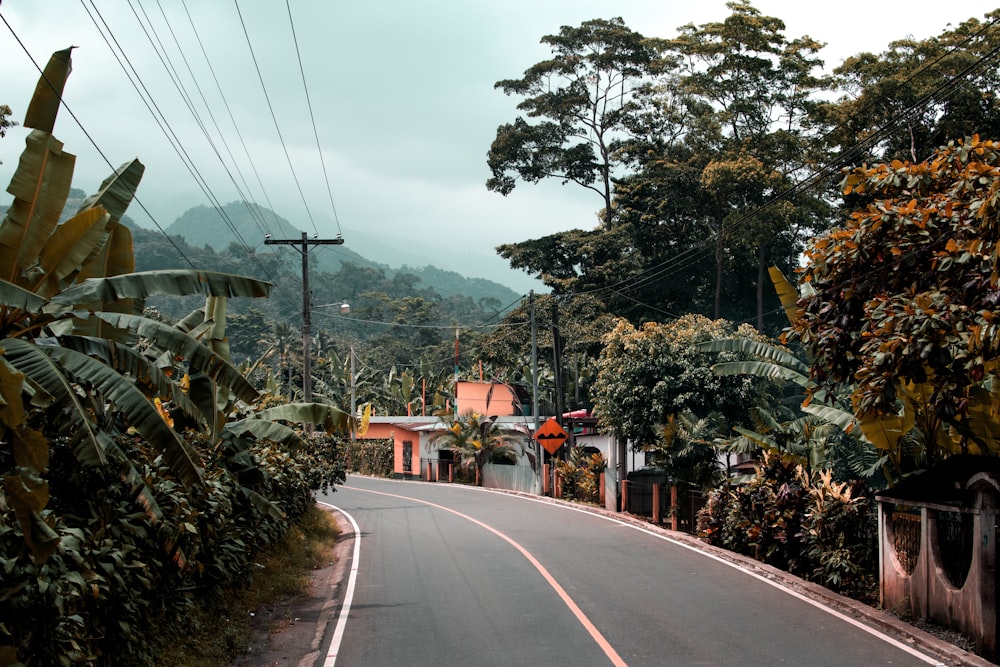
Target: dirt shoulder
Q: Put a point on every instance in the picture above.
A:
(294, 631)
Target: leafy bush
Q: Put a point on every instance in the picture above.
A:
(813, 527)
(371, 457)
(580, 475)
(119, 577)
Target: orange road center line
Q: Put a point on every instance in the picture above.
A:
(602, 642)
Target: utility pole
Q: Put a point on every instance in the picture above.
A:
(557, 361)
(539, 452)
(302, 247)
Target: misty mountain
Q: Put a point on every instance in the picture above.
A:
(201, 226)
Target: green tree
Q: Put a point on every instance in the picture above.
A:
(248, 334)
(5, 122)
(899, 305)
(583, 96)
(714, 128)
(647, 375)
(750, 91)
(918, 94)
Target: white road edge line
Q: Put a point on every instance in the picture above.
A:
(345, 609)
(833, 612)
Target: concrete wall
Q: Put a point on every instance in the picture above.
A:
(927, 593)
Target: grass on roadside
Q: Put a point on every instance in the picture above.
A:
(223, 629)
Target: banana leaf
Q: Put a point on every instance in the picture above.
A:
(142, 370)
(167, 282)
(68, 249)
(761, 369)
(57, 369)
(765, 351)
(40, 187)
(114, 258)
(758, 439)
(787, 294)
(833, 415)
(45, 102)
(332, 418)
(263, 429)
(14, 296)
(117, 191)
(193, 319)
(198, 356)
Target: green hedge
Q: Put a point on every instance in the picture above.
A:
(370, 457)
(124, 568)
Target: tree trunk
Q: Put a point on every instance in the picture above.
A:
(719, 248)
(761, 277)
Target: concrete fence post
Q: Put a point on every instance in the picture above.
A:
(656, 504)
(674, 508)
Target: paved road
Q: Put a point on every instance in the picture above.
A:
(451, 575)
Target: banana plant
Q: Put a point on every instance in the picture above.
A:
(70, 323)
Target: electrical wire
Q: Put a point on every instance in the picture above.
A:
(232, 118)
(244, 197)
(168, 65)
(274, 118)
(90, 138)
(312, 117)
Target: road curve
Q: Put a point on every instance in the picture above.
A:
(452, 575)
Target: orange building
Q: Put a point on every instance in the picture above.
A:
(412, 457)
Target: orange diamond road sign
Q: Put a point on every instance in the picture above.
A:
(551, 435)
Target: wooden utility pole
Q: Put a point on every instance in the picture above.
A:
(302, 246)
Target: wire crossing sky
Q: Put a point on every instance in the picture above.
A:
(368, 119)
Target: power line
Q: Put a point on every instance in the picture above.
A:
(232, 118)
(179, 85)
(87, 134)
(274, 118)
(312, 118)
(254, 213)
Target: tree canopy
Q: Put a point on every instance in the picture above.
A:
(583, 97)
(649, 374)
(902, 298)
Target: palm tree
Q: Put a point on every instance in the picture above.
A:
(478, 441)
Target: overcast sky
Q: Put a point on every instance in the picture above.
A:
(401, 91)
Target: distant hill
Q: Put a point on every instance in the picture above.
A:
(200, 226)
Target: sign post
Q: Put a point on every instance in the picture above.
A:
(551, 437)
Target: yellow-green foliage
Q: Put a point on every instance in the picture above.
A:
(370, 457)
(811, 526)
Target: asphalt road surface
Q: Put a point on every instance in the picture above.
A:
(452, 575)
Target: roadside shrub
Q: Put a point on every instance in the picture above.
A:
(580, 475)
(371, 457)
(124, 572)
(811, 526)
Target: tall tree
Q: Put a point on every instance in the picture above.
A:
(917, 95)
(582, 97)
(714, 129)
(750, 90)
(902, 299)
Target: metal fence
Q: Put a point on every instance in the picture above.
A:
(510, 478)
(650, 494)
